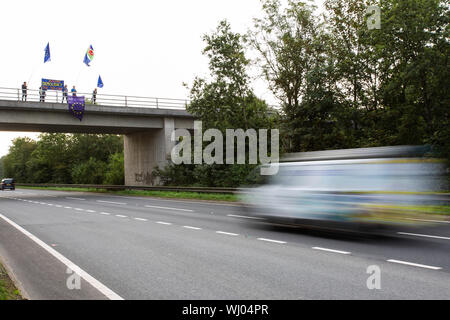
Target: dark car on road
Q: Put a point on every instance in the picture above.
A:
(8, 183)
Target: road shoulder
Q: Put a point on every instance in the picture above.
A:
(37, 274)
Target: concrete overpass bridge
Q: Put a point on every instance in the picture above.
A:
(146, 123)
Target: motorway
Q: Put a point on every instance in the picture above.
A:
(149, 248)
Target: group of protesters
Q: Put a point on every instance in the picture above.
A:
(65, 92)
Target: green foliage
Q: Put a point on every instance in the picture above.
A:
(115, 170)
(1, 166)
(89, 172)
(65, 158)
(224, 101)
(15, 162)
(343, 85)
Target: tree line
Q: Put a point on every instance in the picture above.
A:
(337, 83)
(66, 158)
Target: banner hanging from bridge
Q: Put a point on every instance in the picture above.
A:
(76, 106)
(48, 84)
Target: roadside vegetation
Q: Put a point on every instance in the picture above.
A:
(7, 289)
(158, 194)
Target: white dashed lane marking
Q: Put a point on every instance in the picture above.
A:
(70, 198)
(414, 264)
(271, 240)
(169, 208)
(331, 250)
(193, 228)
(244, 217)
(235, 234)
(227, 233)
(111, 202)
(164, 223)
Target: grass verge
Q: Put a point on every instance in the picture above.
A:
(158, 194)
(8, 291)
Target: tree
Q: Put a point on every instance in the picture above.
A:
(293, 54)
(413, 47)
(51, 160)
(1, 166)
(224, 101)
(98, 146)
(15, 162)
(115, 170)
(53, 157)
(89, 172)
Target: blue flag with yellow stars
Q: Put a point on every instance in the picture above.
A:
(76, 106)
(47, 53)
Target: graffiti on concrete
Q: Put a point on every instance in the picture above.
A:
(146, 178)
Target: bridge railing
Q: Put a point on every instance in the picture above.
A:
(52, 96)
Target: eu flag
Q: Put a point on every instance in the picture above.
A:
(76, 106)
(100, 82)
(47, 53)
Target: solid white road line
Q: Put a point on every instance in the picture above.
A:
(271, 240)
(423, 235)
(331, 250)
(193, 228)
(245, 217)
(112, 202)
(169, 208)
(70, 198)
(140, 219)
(69, 264)
(164, 223)
(227, 233)
(414, 264)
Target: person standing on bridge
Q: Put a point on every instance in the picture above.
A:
(94, 96)
(65, 91)
(41, 94)
(24, 91)
(74, 92)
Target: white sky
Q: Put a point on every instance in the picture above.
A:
(143, 48)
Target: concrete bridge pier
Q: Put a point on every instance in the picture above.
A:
(143, 151)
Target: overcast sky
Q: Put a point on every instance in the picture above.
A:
(143, 48)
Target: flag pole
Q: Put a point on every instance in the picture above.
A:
(32, 73)
(78, 76)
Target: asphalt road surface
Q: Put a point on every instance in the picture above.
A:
(148, 248)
